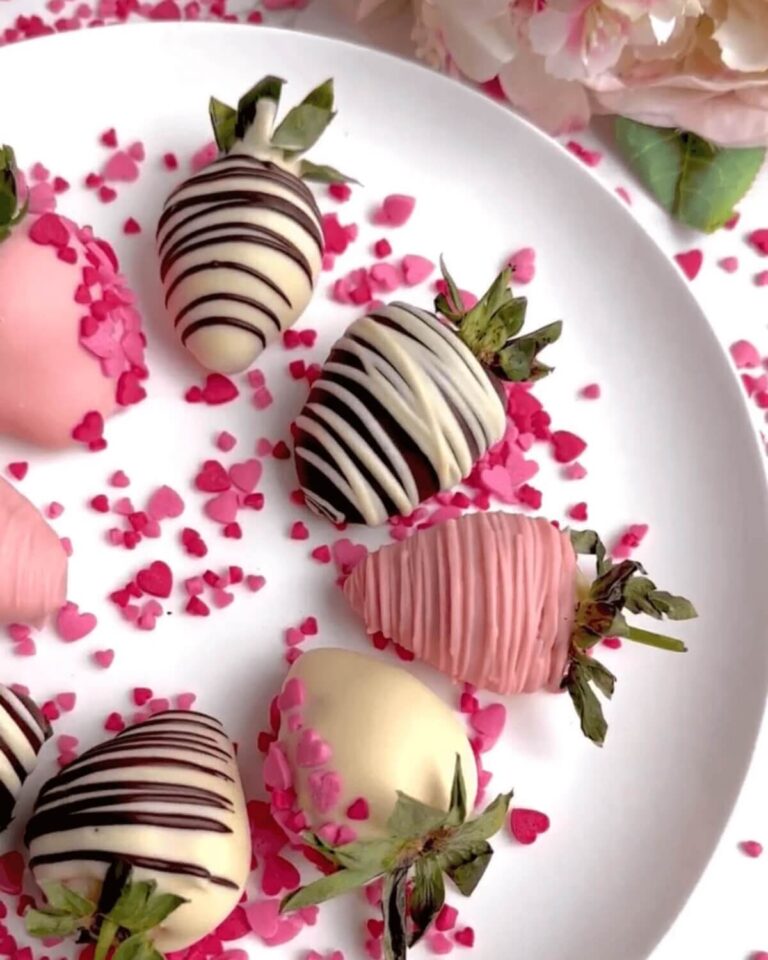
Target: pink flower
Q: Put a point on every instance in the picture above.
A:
(701, 65)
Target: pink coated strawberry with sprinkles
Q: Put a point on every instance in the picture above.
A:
(529, 624)
(71, 339)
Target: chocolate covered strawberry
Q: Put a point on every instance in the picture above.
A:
(141, 844)
(71, 342)
(498, 600)
(23, 732)
(383, 775)
(408, 401)
(241, 242)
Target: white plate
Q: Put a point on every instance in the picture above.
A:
(632, 825)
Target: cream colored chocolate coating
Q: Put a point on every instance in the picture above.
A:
(187, 763)
(387, 732)
(240, 244)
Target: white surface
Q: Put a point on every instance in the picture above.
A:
(669, 445)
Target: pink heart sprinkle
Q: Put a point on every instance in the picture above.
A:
(277, 773)
(384, 276)
(263, 917)
(745, 355)
(165, 503)
(254, 582)
(295, 722)
(246, 475)
(279, 874)
(395, 210)
(121, 168)
(223, 508)
(325, 790)
(18, 632)
(446, 919)
(293, 636)
(465, 937)
(416, 269)
(347, 555)
(312, 750)
(263, 447)
(489, 721)
(72, 625)
(25, 648)
(104, 658)
(523, 264)
(566, 446)
(292, 695)
(526, 825)
(575, 471)
(221, 598)
(438, 943)
(66, 701)
(751, 848)
(67, 742)
(225, 441)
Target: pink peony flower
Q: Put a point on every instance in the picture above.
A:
(700, 65)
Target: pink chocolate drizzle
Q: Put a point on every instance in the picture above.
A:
(488, 599)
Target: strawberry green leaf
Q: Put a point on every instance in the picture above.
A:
(223, 121)
(485, 825)
(50, 923)
(467, 872)
(588, 543)
(427, 897)
(268, 88)
(137, 947)
(10, 213)
(60, 897)
(587, 705)
(107, 934)
(457, 811)
(395, 915)
(322, 173)
(518, 360)
(303, 126)
(326, 888)
(698, 182)
(412, 818)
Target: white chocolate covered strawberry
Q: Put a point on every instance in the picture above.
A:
(241, 242)
(497, 600)
(71, 341)
(143, 840)
(385, 778)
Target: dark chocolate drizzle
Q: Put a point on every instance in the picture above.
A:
(79, 798)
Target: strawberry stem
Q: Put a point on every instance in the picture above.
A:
(490, 329)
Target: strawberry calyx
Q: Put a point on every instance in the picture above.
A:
(11, 214)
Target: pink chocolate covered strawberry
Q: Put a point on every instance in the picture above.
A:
(498, 600)
(71, 343)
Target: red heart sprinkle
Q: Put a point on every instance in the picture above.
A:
(107, 194)
(358, 809)
(11, 873)
(197, 607)
(18, 470)
(233, 531)
(213, 478)
(72, 625)
(141, 695)
(90, 429)
(299, 531)
(566, 446)
(465, 937)
(156, 580)
(114, 723)
(66, 700)
(129, 389)
(49, 230)
(690, 262)
(526, 825)
(109, 138)
(759, 240)
(131, 227)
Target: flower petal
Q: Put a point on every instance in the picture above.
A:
(557, 106)
(743, 35)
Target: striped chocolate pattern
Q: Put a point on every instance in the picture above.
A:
(163, 796)
(403, 409)
(23, 731)
(240, 247)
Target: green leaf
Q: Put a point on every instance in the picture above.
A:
(268, 88)
(107, 933)
(60, 897)
(50, 923)
(467, 873)
(427, 897)
(301, 128)
(519, 361)
(326, 888)
(484, 826)
(10, 214)
(595, 672)
(641, 596)
(454, 309)
(611, 586)
(367, 854)
(587, 705)
(131, 904)
(698, 182)
(137, 947)
(588, 543)
(657, 640)
(412, 818)
(223, 121)
(321, 97)
(158, 907)
(322, 173)
(457, 811)
(394, 909)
